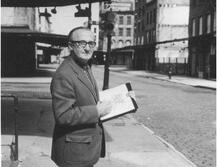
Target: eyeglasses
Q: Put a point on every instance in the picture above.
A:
(83, 44)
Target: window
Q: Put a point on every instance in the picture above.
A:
(153, 35)
(128, 20)
(120, 43)
(208, 23)
(138, 27)
(147, 18)
(142, 40)
(143, 10)
(121, 19)
(128, 43)
(142, 25)
(94, 29)
(200, 25)
(193, 32)
(147, 37)
(154, 16)
(120, 30)
(128, 32)
(150, 17)
(214, 21)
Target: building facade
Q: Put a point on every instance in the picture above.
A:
(18, 52)
(123, 32)
(158, 23)
(21, 29)
(202, 41)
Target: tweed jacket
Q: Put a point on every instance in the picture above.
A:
(78, 138)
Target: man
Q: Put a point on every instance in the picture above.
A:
(78, 139)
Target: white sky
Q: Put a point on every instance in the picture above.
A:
(64, 20)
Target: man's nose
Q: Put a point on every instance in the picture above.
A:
(87, 47)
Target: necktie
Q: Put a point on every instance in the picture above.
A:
(86, 71)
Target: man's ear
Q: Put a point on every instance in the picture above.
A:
(70, 47)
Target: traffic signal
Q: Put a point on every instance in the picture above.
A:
(108, 21)
(82, 12)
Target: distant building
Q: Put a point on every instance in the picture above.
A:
(202, 42)
(21, 29)
(161, 21)
(124, 30)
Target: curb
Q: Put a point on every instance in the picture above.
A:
(168, 80)
(168, 145)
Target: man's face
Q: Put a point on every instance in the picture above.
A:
(82, 43)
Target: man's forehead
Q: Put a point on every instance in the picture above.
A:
(82, 33)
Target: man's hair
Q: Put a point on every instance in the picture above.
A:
(75, 29)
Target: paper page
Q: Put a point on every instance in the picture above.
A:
(121, 102)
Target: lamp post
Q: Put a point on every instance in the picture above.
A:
(107, 63)
(109, 24)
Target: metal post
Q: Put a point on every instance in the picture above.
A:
(107, 63)
(14, 145)
(89, 16)
(15, 122)
(176, 65)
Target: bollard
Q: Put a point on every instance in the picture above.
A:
(170, 72)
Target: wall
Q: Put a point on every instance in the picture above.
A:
(19, 61)
(18, 17)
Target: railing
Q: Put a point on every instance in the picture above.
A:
(14, 144)
(179, 65)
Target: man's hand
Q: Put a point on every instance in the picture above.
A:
(104, 108)
(132, 94)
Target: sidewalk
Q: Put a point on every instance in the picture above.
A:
(195, 82)
(129, 143)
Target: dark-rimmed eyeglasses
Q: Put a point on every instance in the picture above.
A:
(83, 44)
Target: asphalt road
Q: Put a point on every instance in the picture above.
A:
(182, 115)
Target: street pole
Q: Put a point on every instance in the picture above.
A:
(89, 16)
(107, 63)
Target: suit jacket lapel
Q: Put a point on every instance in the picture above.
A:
(83, 78)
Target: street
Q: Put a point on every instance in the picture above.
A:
(182, 115)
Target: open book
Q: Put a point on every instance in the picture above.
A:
(122, 103)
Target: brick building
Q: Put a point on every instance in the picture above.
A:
(202, 41)
(161, 21)
(123, 32)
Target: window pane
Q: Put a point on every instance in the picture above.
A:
(128, 32)
(193, 27)
(153, 35)
(147, 18)
(147, 37)
(214, 22)
(121, 20)
(200, 25)
(120, 31)
(142, 40)
(208, 24)
(154, 16)
(128, 20)
(150, 17)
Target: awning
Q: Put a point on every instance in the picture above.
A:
(53, 39)
(44, 3)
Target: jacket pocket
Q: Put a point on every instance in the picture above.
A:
(78, 139)
(77, 149)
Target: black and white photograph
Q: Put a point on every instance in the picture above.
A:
(108, 83)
